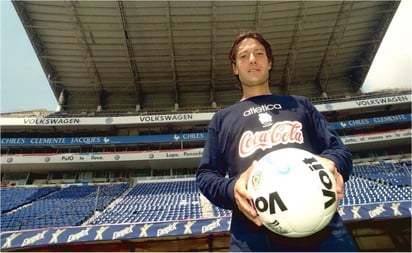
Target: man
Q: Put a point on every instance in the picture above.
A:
(224, 168)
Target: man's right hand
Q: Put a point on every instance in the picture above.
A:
(244, 198)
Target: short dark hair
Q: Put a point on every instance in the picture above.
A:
(254, 35)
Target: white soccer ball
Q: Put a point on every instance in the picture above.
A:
(293, 192)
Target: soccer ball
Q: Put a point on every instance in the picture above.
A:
(293, 192)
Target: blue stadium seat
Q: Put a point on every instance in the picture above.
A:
(155, 201)
(60, 207)
(12, 198)
(41, 207)
(378, 183)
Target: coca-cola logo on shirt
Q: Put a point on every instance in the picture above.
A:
(280, 133)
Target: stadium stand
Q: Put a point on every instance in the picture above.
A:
(63, 206)
(158, 192)
(378, 183)
(170, 200)
(154, 202)
(113, 168)
(12, 198)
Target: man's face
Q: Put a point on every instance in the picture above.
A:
(252, 64)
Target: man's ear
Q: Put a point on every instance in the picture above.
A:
(234, 69)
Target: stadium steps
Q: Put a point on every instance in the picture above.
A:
(110, 206)
(155, 201)
(206, 207)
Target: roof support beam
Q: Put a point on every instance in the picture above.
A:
(332, 49)
(258, 15)
(81, 37)
(132, 60)
(172, 54)
(213, 57)
(293, 49)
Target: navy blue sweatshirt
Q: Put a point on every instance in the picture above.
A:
(245, 132)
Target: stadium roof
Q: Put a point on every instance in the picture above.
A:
(168, 55)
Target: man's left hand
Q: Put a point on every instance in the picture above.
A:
(330, 165)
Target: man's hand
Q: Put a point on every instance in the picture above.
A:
(330, 165)
(243, 197)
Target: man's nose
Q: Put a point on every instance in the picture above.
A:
(252, 58)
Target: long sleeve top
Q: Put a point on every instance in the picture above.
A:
(249, 129)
